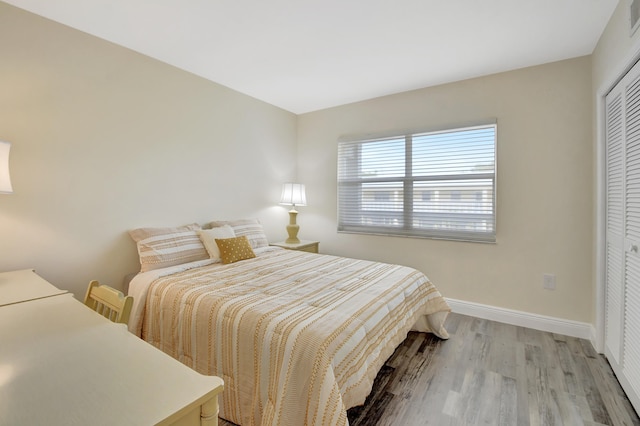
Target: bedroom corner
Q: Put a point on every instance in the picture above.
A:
(105, 140)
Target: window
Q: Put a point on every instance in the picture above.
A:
(436, 184)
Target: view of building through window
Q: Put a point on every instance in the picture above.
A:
(438, 184)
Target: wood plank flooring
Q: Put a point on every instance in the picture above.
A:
(489, 373)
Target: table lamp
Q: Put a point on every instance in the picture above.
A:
(5, 178)
(293, 195)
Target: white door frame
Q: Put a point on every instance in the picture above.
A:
(600, 150)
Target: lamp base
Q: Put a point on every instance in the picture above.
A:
(292, 228)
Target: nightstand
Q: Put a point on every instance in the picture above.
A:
(303, 245)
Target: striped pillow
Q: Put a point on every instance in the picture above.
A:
(251, 228)
(164, 247)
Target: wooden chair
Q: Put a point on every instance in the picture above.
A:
(108, 302)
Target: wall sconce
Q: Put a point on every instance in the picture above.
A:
(293, 195)
(5, 178)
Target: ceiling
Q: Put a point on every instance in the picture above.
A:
(306, 55)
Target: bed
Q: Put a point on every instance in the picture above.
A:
(298, 338)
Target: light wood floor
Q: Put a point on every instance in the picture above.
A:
(489, 373)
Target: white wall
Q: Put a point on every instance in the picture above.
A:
(105, 140)
(544, 187)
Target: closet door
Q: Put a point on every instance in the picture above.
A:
(622, 319)
(631, 293)
(614, 227)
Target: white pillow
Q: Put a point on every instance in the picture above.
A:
(249, 227)
(208, 237)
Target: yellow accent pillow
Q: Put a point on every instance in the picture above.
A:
(235, 249)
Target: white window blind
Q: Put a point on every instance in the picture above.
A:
(436, 184)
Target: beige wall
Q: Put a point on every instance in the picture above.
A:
(544, 187)
(105, 140)
(614, 47)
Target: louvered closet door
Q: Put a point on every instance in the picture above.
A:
(622, 319)
(614, 217)
(631, 293)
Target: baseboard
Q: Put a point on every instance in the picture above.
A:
(525, 319)
(593, 337)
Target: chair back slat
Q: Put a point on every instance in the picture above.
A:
(108, 302)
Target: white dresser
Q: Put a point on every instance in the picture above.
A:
(23, 286)
(63, 364)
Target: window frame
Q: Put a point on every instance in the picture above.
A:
(410, 191)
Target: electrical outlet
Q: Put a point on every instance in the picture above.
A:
(549, 281)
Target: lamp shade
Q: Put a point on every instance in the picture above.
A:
(5, 178)
(293, 194)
